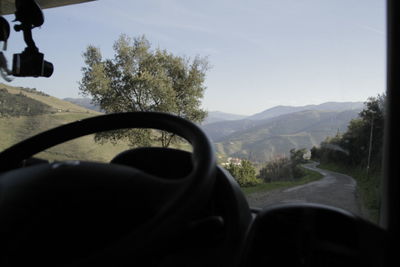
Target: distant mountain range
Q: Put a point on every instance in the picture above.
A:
(328, 106)
(83, 102)
(216, 116)
(220, 129)
(275, 131)
(272, 132)
(276, 136)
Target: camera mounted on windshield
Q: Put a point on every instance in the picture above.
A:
(29, 63)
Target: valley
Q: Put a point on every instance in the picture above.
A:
(258, 138)
(275, 133)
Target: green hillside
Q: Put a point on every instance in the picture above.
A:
(21, 105)
(15, 127)
(275, 137)
(58, 104)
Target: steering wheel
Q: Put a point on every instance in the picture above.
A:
(118, 210)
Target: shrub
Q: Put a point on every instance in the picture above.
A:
(244, 173)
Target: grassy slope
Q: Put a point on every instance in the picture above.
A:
(309, 177)
(14, 129)
(368, 187)
(53, 102)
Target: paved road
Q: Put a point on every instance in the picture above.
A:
(333, 189)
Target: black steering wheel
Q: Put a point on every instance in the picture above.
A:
(118, 210)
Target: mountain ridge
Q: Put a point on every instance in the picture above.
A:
(327, 106)
(216, 116)
(83, 102)
(221, 129)
(276, 136)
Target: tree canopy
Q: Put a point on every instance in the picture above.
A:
(244, 173)
(284, 169)
(139, 78)
(362, 143)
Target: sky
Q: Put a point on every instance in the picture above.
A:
(262, 53)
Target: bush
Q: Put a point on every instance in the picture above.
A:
(244, 174)
(278, 169)
(284, 169)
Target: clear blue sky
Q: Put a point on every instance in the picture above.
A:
(263, 52)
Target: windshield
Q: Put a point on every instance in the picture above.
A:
(291, 93)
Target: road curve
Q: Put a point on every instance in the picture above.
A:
(334, 189)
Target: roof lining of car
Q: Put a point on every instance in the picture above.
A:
(8, 6)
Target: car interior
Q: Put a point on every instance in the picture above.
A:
(167, 207)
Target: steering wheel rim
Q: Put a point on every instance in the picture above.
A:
(195, 186)
(203, 166)
(15, 154)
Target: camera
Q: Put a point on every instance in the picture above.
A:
(31, 63)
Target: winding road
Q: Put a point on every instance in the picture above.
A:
(334, 189)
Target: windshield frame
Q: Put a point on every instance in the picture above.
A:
(390, 193)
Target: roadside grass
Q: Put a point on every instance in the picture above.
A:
(308, 177)
(368, 187)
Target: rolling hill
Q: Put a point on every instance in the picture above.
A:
(221, 129)
(328, 106)
(83, 102)
(276, 136)
(218, 130)
(14, 128)
(55, 103)
(217, 116)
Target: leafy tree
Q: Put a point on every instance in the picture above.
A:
(244, 174)
(363, 138)
(315, 155)
(278, 169)
(297, 158)
(284, 169)
(139, 78)
(331, 149)
(374, 118)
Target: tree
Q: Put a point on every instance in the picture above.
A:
(284, 169)
(297, 158)
(315, 155)
(141, 79)
(244, 174)
(363, 140)
(277, 169)
(374, 118)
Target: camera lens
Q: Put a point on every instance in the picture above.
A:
(48, 69)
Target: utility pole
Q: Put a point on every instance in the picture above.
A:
(370, 144)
